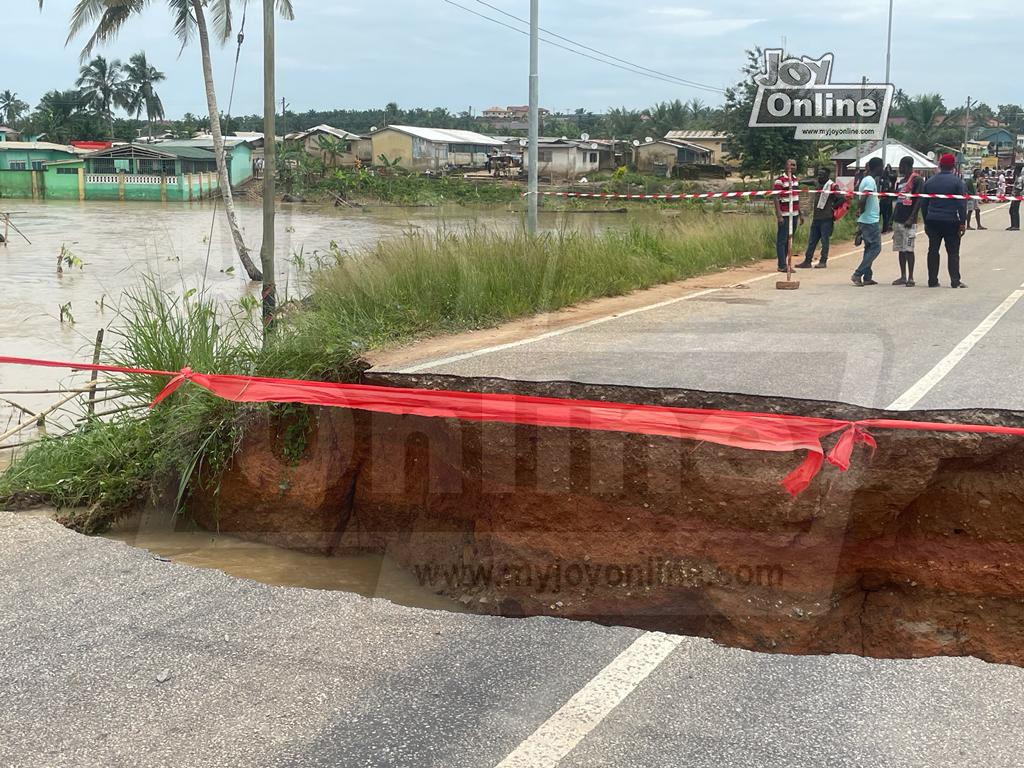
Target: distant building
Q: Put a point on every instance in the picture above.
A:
(710, 140)
(560, 160)
(239, 152)
(516, 118)
(353, 146)
(432, 149)
(33, 155)
(661, 157)
(999, 140)
(848, 161)
(8, 134)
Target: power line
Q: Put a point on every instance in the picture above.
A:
(669, 79)
(693, 83)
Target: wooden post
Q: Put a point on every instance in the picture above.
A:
(81, 183)
(163, 188)
(35, 188)
(201, 185)
(92, 379)
(188, 180)
(7, 227)
(120, 185)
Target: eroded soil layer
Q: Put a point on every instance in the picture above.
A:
(916, 552)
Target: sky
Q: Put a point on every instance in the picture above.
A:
(359, 54)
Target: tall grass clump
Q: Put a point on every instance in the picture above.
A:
(109, 466)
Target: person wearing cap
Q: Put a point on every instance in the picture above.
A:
(945, 221)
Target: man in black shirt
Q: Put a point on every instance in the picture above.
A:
(904, 219)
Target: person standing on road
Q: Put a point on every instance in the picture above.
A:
(787, 212)
(822, 221)
(869, 223)
(904, 234)
(887, 185)
(945, 221)
(1018, 191)
(975, 186)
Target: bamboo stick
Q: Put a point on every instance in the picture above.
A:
(95, 373)
(40, 417)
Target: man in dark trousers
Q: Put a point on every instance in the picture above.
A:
(945, 221)
(823, 220)
(1018, 191)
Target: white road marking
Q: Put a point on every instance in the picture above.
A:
(419, 367)
(916, 393)
(590, 323)
(561, 732)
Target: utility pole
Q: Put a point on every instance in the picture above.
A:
(888, 69)
(967, 129)
(284, 109)
(863, 89)
(270, 165)
(533, 154)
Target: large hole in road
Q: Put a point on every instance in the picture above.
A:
(914, 552)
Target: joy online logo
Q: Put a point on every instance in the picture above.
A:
(798, 93)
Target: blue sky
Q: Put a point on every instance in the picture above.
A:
(364, 53)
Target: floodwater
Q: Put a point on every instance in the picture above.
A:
(181, 246)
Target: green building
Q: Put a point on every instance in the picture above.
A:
(173, 170)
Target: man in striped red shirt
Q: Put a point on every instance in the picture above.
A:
(787, 211)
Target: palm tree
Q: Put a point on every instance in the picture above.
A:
(924, 128)
(189, 19)
(11, 107)
(141, 79)
(103, 87)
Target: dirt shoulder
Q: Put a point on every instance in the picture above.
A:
(397, 358)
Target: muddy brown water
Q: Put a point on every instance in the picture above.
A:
(120, 244)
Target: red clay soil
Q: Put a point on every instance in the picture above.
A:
(917, 552)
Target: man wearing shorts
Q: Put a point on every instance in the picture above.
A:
(904, 220)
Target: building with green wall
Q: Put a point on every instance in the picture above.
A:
(157, 172)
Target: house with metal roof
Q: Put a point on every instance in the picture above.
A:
(346, 148)
(432, 149)
(848, 161)
(661, 157)
(22, 164)
(135, 172)
(8, 134)
(710, 140)
(239, 150)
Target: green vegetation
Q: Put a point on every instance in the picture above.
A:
(403, 289)
(305, 176)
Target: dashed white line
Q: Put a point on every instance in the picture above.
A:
(561, 732)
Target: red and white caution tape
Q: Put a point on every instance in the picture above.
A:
(775, 192)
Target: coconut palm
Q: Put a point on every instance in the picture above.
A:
(103, 88)
(189, 20)
(924, 128)
(141, 78)
(11, 107)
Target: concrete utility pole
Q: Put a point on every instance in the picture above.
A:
(888, 68)
(270, 166)
(533, 155)
(967, 129)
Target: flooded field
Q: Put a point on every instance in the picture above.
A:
(181, 246)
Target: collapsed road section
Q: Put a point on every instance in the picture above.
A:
(914, 552)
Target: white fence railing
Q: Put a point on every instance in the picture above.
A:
(129, 178)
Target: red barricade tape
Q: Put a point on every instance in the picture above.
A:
(775, 192)
(778, 433)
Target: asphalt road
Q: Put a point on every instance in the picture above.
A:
(112, 657)
(828, 340)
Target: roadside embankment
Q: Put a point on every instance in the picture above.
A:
(914, 553)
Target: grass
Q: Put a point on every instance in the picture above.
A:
(405, 288)
(423, 284)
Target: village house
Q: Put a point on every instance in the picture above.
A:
(561, 160)
(22, 164)
(239, 152)
(432, 149)
(710, 140)
(353, 147)
(8, 134)
(661, 157)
